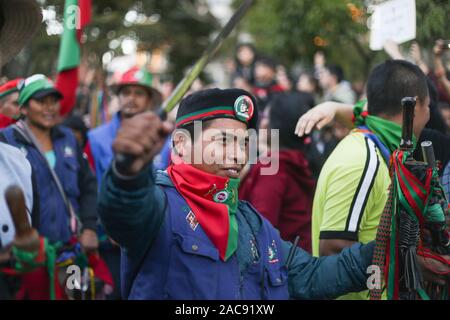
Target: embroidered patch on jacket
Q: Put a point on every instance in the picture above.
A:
(273, 253)
(192, 220)
(254, 250)
(68, 152)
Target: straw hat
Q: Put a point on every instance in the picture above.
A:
(19, 21)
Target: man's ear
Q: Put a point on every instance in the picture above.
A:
(180, 143)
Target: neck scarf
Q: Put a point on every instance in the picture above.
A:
(387, 131)
(213, 200)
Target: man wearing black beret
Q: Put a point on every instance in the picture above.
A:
(183, 232)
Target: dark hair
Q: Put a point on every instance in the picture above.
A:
(311, 79)
(76, 123)
(390, 82)
(267, 61)
(336, 71)
(285, 110)
(437, 121)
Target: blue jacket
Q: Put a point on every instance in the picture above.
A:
(101, 140)
(163, 258)
(74, 174)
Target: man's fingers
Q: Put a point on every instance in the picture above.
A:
(307, 123)
(312, 121)
(300, 128)
(127, 146)
(322, 123)
(135, 136)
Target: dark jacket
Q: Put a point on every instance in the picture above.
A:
(74, 174)
(285, 198)
(134, 212)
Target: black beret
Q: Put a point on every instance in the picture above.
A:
(216, 103)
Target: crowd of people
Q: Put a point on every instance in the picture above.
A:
(158, 229)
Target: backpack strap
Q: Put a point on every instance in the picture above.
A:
(370, 135)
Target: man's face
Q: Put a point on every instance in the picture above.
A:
(222, 148)
(264, 74)
(305, 84)
(326, 79)
(42, 113)
(245, 55)
(134, 100)
(9, 106)
(421, 115)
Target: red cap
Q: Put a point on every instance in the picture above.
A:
(10, 87)
(138, 77)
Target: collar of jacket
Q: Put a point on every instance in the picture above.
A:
(55, 134)
(244, 207)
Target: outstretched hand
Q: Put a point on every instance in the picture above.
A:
(318, 117)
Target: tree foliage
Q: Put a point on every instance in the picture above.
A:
(183, 26)
(294, 30)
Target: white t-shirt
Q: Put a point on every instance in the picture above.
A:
(14, 170)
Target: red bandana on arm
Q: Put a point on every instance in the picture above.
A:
(214, 200)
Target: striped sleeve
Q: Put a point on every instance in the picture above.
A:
(347, 196)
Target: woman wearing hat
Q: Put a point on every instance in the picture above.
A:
(183, 232)
(53, 149)
(67, 187)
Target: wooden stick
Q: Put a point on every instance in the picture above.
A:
(26, 238)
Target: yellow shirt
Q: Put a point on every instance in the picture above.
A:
(351, 193)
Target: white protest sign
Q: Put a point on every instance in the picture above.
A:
(393, 20)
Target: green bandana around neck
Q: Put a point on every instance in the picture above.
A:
(390, 133)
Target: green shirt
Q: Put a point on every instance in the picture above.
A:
(351, 193)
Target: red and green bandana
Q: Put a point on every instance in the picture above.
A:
(213, 200)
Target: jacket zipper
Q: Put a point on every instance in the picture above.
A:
(241, 286)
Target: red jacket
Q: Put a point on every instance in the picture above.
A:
(285, 199)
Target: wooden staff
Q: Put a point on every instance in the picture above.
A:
(26, 238)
